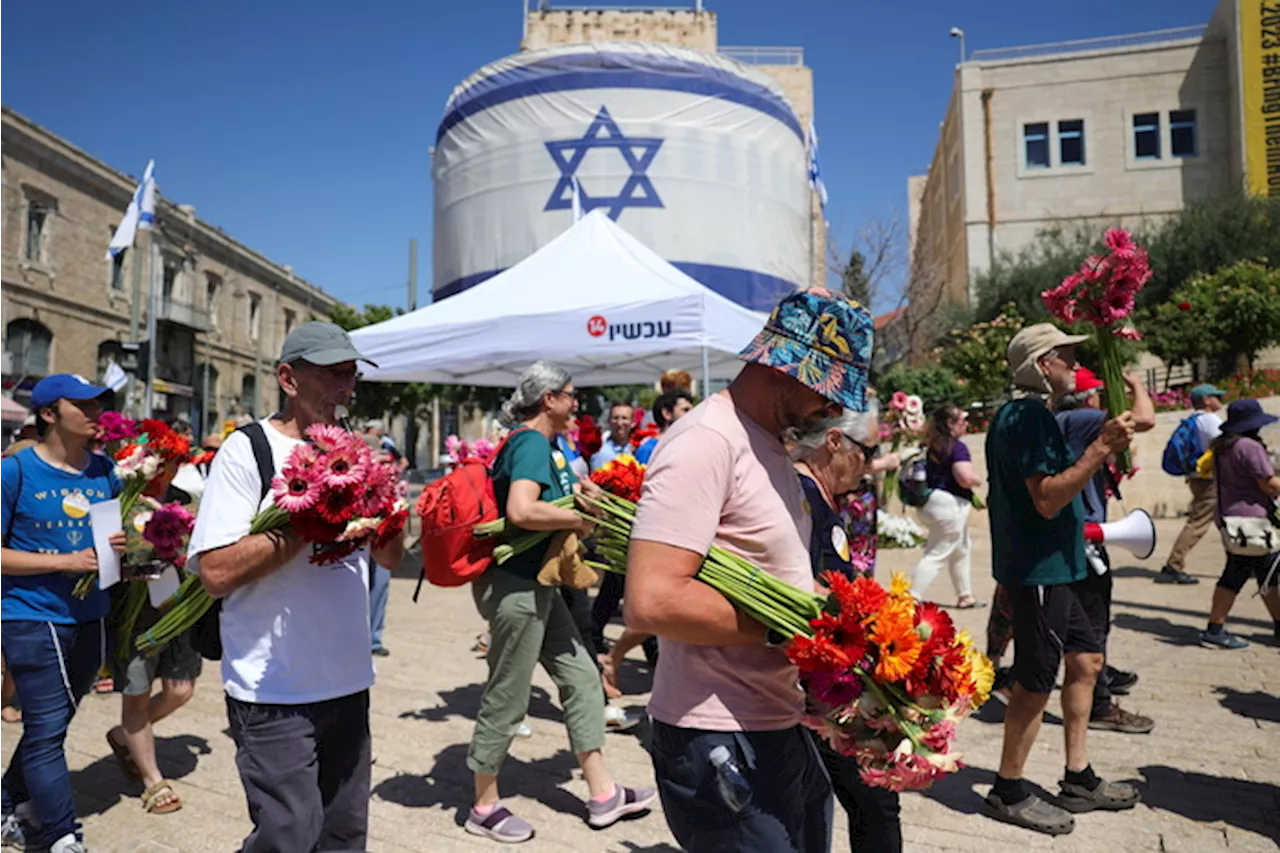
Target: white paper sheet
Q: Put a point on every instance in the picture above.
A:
(104, 517)
(163, 587)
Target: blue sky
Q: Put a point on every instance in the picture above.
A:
(302, 128)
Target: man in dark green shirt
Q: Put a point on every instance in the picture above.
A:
(1059, 608)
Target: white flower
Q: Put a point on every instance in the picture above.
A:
(915, 406)
(141, 463)
(915, 422)
(358, 528)
(898, 531)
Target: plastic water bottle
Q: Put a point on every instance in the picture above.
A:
(734, 788)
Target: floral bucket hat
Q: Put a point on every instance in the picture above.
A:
(822, 340)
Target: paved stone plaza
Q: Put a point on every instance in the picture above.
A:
(1208, 773)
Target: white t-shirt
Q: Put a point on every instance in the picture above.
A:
(301, 634)
(1209, 426)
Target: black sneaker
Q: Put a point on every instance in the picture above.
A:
(1168, 574)
(1119, 681)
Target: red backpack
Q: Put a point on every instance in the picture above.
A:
(449, 508)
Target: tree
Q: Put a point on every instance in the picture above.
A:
(854, 281)
(1227, 317)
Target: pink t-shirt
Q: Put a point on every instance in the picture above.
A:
(718, 478)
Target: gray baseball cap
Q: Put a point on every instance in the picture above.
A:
(320, 344)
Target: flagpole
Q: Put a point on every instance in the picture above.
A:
(135, 325)
(153, 308)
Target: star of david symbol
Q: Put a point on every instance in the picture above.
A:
(638, 152)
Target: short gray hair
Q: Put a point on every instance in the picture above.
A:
(853, 424)
(541, 378)
(1073, 400)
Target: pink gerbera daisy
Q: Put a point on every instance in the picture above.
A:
(297, 490)
(328, 437)
(342, 467)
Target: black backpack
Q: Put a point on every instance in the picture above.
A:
(206, 634)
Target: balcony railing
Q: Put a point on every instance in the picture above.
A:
(184, 314)
(1132, 40)
(765, 55)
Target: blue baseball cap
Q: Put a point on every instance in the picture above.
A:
(64, 386)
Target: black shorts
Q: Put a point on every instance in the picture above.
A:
(1240, 568)
(1050, 621)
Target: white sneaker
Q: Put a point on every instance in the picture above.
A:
(618, 720)
(68, 844)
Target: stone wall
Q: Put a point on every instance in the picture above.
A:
(683, 27)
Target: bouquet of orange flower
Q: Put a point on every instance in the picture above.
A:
(886, 679)
(147, 456)
(622, 476)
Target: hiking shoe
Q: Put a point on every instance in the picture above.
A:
(1032, 813)
(499, 825)
(1106, 797)
(1168, 574)
(1222, 640)
(625, 801)
(1117, 719)
(1119, 681)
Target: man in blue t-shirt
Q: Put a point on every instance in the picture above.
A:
(1037, 543)
(1080, 417)
(53, 642)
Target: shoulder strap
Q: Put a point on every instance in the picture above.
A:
(17, 495)
(262, 455)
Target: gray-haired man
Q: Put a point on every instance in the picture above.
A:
(295, 636)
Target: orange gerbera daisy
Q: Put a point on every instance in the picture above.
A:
(860, 599)
(894, 632)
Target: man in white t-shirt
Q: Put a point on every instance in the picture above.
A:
(1207, 399)
(295, 635)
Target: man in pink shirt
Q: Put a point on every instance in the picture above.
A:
(723, 688)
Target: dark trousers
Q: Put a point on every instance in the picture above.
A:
(874, 813)
(789, 810)
(305, 771)
(53, 667)
(1102, 687)
(579, 604)
(608, 597)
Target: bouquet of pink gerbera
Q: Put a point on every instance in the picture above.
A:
(1104, 293)
(334, 492)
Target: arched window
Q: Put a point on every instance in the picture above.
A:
(27, 345)
(249, 394)
(109, 351)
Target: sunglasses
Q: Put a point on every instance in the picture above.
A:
(869, 451)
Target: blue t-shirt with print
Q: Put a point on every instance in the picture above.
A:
(646, 448)
(46, 511)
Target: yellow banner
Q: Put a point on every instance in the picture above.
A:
(1260, 70)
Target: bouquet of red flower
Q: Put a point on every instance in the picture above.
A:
(147, 456)
(622, 476)
(589, 439)
(886, 679)
(1104, 293)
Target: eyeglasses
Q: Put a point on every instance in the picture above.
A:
(869, 451)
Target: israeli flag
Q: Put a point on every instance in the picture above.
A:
(141, 213)
(815, 174)
(115, 378)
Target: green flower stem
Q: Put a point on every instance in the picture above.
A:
(128, 497)
(192, 601)
(1113, 386)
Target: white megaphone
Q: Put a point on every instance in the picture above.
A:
(1136, 533)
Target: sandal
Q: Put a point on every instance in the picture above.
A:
(1107, 797)
(160, 798)
(968, 602)
(1032, 813)
(123, 757)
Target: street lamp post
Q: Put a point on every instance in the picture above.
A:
(957, 33)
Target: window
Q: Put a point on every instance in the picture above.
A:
(249, 394)
(1182, 133)
(212, 292)
(27, 344)
(1146, 136)
(1036, 139)
(117, 269)
(39, 210)
(172, 267)
(255, 316)
(290, 319)
(1071, 142)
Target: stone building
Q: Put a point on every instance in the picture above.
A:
(695, 28)
(1116, 130)
(223, 310)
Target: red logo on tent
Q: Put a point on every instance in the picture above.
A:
(597, 326)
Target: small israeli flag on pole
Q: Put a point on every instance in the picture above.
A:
(141, 213)
(815, 174)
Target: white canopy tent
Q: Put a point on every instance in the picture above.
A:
(594, 300)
